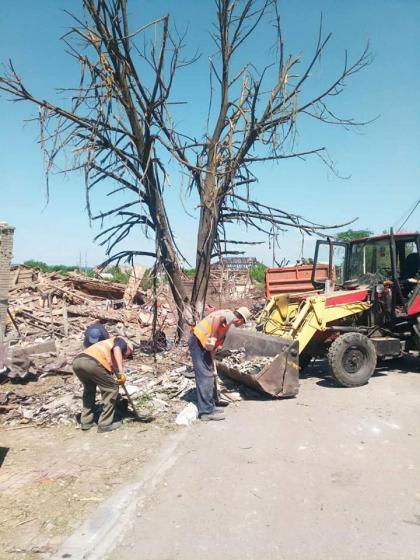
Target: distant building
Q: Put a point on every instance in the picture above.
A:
(235, 263)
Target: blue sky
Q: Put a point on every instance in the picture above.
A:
(381, 160)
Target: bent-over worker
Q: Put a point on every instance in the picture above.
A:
(208, 335)
(95, 333)
(95, 367)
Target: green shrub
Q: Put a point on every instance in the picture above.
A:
(37, 264)
(118, 275)
(257, 273)
(190, 272)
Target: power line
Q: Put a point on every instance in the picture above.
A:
(398, 220)
(409, 215)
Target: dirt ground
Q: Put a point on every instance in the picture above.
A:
(53, 478)
(53, 475)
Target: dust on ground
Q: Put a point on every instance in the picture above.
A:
(53, 478)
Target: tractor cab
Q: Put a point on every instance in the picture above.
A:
(388, 262)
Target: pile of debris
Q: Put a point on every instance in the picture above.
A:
(62, 306)
(56, 399)
(236, 359)
(56, 309)
(47, 316)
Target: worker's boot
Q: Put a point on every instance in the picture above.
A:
(212, 416)
(218, 410)
(221, 402)
(86, 427)
(110, 427)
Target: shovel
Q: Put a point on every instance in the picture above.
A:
(137, 417)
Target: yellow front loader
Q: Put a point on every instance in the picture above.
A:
(295, 328)
(366, 307)
(325, 325)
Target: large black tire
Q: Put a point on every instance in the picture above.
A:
(352, 359)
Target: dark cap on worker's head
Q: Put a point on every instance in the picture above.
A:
(93, 336)
(121, 343)
(125, 346)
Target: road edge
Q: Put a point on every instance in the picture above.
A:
(103, 530)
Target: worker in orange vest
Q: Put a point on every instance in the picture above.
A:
(95, 367)
(206, 337)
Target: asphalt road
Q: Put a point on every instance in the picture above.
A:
(332, 474)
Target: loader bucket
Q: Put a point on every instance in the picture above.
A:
(279, 377)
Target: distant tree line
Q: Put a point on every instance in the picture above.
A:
(117, 275)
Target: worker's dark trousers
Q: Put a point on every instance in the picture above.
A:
(204, 377)
(93, 375)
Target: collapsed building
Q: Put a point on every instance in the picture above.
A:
(44, 316)
(229, 279)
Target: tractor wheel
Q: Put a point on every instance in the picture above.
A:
(352, 359)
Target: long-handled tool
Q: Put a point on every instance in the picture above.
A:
(137, 416)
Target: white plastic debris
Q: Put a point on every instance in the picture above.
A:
(188, 415)
(132, 389)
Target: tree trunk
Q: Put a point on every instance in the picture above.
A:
(168, 256)
(185, 314)
(205, 243)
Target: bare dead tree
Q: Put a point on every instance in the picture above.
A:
(112, 124)
(117, 124)
(256, 121)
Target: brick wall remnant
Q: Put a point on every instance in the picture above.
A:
(6, 247)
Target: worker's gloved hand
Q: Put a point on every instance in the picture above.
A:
(211, 343)
(121, 378)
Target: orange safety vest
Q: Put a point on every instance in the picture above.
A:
(203, 329)
(102, 352)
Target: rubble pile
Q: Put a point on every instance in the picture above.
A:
(47, 316)
(56, 399)
(62, 306)
(235, 359)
